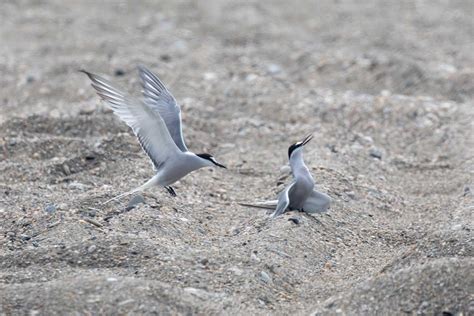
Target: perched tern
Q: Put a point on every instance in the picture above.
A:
(299, 194)
(156, 121)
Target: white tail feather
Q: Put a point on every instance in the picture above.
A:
(269, 205)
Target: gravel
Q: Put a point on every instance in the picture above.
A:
(385, 87)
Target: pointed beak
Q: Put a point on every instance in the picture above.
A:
(307, 139)
(219, 165)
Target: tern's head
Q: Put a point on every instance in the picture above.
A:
(211, 161)
(293, 148)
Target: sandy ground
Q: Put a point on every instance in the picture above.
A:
(385, 86)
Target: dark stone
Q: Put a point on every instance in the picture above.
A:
(90, 157)
(295, 220)
(165, 57)
(467, 191)
(375, 153)
(119, 72)
(25, 237)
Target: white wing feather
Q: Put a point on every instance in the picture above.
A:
(317, 202)
(147, 124)
(283, 200)
(158, 98)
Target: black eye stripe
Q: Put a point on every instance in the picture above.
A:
(296, 145)
(292, 148)
(207, 157)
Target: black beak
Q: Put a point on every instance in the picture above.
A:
(219, 165)
(307, 139)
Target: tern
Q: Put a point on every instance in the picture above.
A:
(156, 122)
(300, 193)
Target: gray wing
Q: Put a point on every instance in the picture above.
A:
(147, 125)
(158, 98)
(283, 200)
(317, 202)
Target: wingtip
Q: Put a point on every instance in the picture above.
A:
(88, 74)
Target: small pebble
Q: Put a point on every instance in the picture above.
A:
(273, 69)
(90, 156)
(137, 199)
(126, 302)
(77, 186)
(91, 248)
(62, 206)
(351, 194)
(236, 271)
(50, 208)
(119, 72)
(251, 77)
(66, 170)
(264, 277)
(210, 76)
(165, 57)
(467, 191)
(375, 153)
(30, 79)
(25, 237)
(254, 258)
(262, 302)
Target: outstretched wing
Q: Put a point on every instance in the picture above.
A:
(283, 200)
(317, 202)
(158, 98)
(147, 124)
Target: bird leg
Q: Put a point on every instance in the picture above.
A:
(170, 190)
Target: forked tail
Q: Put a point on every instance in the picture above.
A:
(147, 184)
(269, 205)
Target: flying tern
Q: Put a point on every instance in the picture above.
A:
(156, 121)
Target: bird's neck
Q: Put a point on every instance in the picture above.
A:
(296, 159)
(297, 163)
